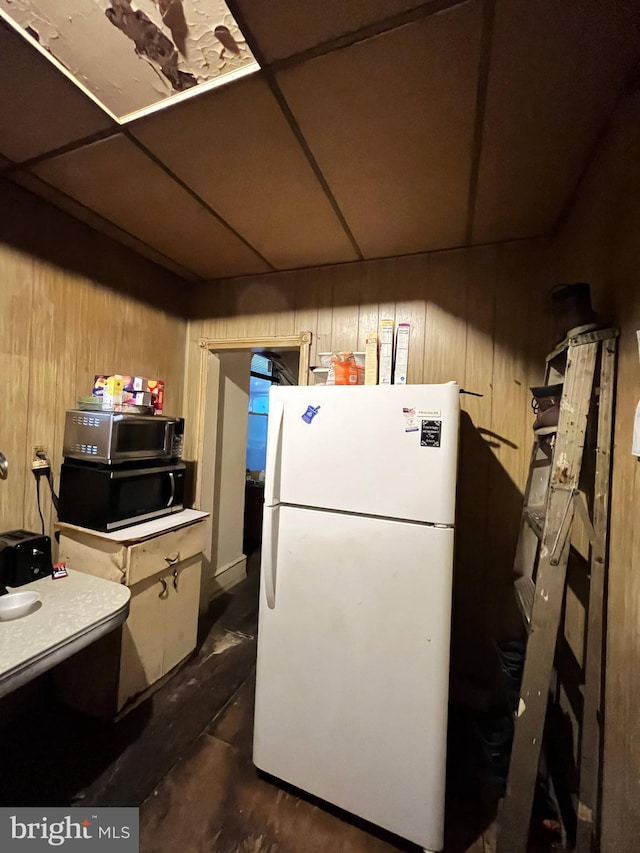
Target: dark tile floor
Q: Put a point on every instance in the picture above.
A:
(184, 756)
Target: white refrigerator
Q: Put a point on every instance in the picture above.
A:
(355, 599)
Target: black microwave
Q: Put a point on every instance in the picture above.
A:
(104, 497)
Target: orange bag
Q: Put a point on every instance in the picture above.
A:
(346, 370)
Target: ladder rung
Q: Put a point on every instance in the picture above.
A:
(525, 590)
(585, 338)
(535, 517)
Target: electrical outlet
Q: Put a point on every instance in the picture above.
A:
(39, 456)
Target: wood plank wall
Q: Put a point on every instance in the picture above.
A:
(477, 316)
(599, 242)
(72, 303)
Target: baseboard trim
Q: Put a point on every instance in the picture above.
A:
(227, 576)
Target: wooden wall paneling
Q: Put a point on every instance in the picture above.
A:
(369, 308)
(309, 295)
(325, 312)
(259, 306)
(387, 284)
(14, 386)
(47, 339)
(66, 292)
(598, 242)
(510, 413)
(473, 558)
(346, 287)
(16, 304)
(621, 772)
(481, 268)
(412, 282)
(446, 318)
(285, 311)
(191, 397)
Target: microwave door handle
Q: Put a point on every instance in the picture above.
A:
(173, 488)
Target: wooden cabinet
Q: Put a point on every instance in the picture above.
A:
(163, 573)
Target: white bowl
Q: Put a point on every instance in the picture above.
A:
(17, 604)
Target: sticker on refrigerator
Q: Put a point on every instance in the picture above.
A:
(430, 433)
(310, 414)
(410, 420)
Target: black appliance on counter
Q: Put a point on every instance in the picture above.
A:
(108, 497)
(120, 469)
(24, 557)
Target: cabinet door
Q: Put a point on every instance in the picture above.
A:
(181, 615)
(141, 661)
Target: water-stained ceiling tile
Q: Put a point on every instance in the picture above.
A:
(118, 181)
(136, 54)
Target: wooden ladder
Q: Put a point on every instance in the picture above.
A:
(554, 493)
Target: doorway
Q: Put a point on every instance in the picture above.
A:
(267, 368)
(221, 419)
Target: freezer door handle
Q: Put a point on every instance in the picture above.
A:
(269, 553)
(274, 443)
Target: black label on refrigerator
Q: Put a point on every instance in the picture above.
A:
(430, 432)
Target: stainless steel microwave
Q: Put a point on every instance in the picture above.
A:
(108, 497)
(111, 438)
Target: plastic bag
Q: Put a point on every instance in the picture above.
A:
(345, 368)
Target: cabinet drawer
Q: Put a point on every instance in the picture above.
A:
(162, 552)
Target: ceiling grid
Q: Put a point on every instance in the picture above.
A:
(374, 128)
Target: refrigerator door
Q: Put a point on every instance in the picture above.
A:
(389, 451)
(353, 665)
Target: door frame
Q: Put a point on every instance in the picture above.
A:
(210, 346)
(202, 406)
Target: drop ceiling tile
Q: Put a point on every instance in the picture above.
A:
(132, 59)
(41, 108)
(119, 182)
(285, 27)
(553, 80)
(236, 150)
(63, 202)
(390, 122)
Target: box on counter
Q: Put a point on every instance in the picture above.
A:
(118, 390)
(402, 354)
(137, 398)
(112, 393)
(386, 351)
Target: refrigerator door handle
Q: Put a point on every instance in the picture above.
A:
(269, 553)
(274, 444)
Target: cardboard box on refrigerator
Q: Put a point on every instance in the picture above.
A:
(371, 359)
(402, 354)
(386, 352)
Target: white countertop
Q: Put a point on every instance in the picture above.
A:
(147, 529)
(72, 613)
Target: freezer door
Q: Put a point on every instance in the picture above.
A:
(353, 665)
(389, 451)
